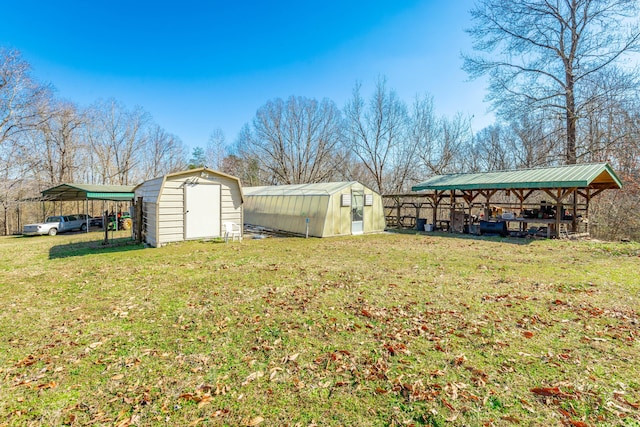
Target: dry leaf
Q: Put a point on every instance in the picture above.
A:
(253, 376)
(51, 384)
(206, 399)
(255, 421)
(549, 391)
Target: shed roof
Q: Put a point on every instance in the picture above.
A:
(593, 175)
(315, 189)
(89, 192)
(202, 172)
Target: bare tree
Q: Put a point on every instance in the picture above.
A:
(533, 140)
(376, 132)
(117, 138)
(446, 144)
(541, 53)
(489, 151)
(19, 96)
(164, 153)
(294, 141)
(216, 149)
(56, 140)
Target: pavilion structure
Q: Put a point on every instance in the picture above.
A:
(556, 198)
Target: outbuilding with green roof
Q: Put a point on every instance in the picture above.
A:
(523, 194)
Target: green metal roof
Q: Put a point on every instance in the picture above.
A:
(595, 175)
(315, 189)
(89, 192)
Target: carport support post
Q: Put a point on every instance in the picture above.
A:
(138, 215)
(105, 226)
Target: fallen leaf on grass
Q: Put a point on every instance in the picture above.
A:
(255, 421)
(220, 412)
(460, 360)
(206, 399)
(51, 384)
(133, 420)
(453, 417)
(526, 405)
(274, 372)
(448, 405)
(614, 405)
(620, 398)
(253, 376)
(527, 334)
(437, 373)
(549, 391)
(290, 358)
(27, 361)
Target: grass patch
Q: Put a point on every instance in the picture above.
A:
(381, 330)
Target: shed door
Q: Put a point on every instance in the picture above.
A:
(202, 213)
(357, 212)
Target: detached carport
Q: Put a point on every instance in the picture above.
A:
(88, 192)
(570, 187)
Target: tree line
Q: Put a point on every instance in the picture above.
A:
(563, 81)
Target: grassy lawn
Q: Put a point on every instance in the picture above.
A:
(380, 330)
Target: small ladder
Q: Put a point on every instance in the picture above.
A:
(562, 232)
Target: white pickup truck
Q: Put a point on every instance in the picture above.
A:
(57, 224)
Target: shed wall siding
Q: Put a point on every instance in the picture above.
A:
(149, 190)
(164, 205)
(149, 211)
(171, 211)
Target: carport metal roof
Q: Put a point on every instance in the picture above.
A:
(68, 192)
(595, 176)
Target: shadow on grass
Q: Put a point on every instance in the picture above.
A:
(487, 238)
(122, 244)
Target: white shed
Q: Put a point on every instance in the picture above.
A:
(321, 210)
(192, 204)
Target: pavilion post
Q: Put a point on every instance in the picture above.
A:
(434, 215)
(586, 210)
(574, 215)
(452, 210)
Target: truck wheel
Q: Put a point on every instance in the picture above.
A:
(126, 224)
(83, 227)
(53, 231)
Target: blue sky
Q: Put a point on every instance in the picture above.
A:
(200, 65)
